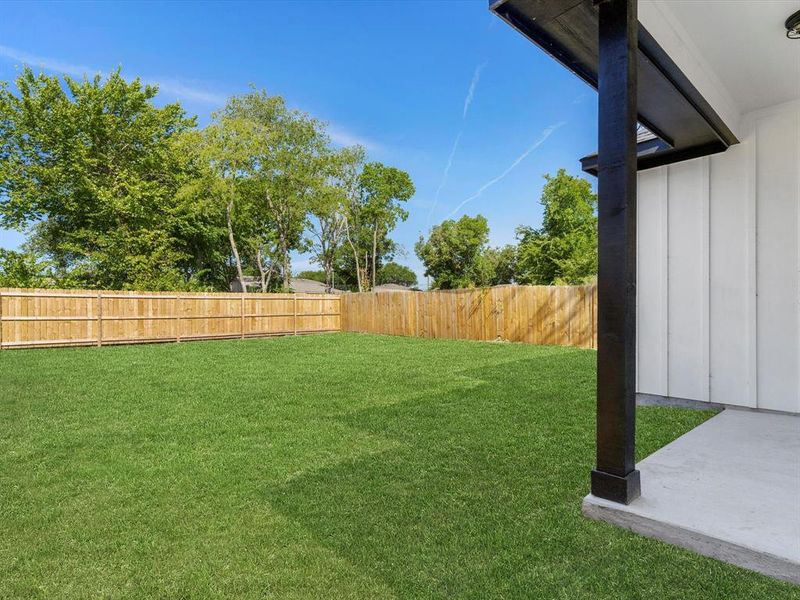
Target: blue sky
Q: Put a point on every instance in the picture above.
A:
(444, 90)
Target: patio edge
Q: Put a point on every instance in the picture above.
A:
(742, 556)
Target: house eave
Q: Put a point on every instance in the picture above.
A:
(668, 103)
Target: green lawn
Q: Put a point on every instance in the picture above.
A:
(334, 466)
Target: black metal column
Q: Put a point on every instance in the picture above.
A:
(616, 477)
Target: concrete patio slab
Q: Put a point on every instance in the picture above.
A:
(729, 489)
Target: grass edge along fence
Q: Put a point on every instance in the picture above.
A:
(35, 318)
(544, 315)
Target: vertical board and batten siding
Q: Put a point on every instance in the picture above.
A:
(45, 317)
(548, 315)
(719, 271)
(776, 172)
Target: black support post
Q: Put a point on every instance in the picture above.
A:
(616, 477)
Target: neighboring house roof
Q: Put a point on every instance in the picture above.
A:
(249, 281)
(309, 286)
(297, 284)
(391, 287)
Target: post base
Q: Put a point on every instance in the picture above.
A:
(615, 488)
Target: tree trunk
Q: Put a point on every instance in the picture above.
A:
(234, 250)
(287, 274)
(328, 276)
(355, 256)
(326, 257)
(270, 272)
(365, 274)
(358, 270)
(374, 256)
(261, 272)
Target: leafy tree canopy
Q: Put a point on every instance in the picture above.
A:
(116, 192)
(92, 168)
(564, 250)
(392, 272)
(338, 191)
(371, 215)
(23, 270)
(497, 266)
(312, 275)
(259, 163)
(452, 252)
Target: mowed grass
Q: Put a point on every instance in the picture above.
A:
(335, 466)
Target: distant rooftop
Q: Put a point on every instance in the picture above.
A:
(391, 287)
(297, 284)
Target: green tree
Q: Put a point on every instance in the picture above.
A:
(452, 253)
(290, 176)
(371, 215)
(564, 250)
(225, 154)
(392, 272)
(23, 270)
(92, 167)
(497, 266)
(288, 170)
(264, 163)
(312, 275)
(327, 214)
(263, 245)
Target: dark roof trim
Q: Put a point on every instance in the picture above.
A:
(668, 103)
(660, 60)
(645, 151)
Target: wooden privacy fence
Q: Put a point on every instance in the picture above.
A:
(556, 315)
(43, 317)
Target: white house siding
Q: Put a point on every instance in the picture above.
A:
(719, 270)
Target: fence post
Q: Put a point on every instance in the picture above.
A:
(1, 320)
(99, 318)
(295, 313)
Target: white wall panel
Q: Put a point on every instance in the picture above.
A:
(688, 279)
(732, 289)
(651, 282)
(777, 167)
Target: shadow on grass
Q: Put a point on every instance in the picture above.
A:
(481, 494)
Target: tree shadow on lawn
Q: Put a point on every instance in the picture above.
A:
(480, 496)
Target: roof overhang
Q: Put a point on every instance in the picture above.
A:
(648, 152)
(669, 104)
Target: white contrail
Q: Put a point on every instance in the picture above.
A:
(476, 77)
(541, 140)
(51, 64)
(444, 177)
(170, 87)
(177, 88)
(473, 84)
(344, 137)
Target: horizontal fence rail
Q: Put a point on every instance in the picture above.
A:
(552, 315)
(31, 318)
